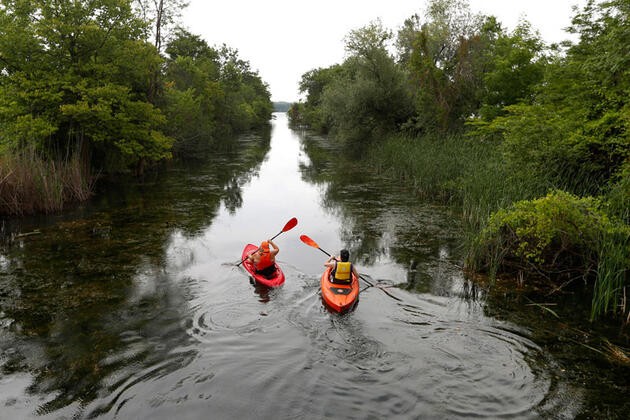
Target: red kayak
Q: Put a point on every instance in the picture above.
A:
(275, 280)
(339, 297)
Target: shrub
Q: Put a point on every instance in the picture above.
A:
(559, 237)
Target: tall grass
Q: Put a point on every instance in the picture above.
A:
(454, 169)
(612, 275)
(430, 165)
(30, 184)
(472, 175)
(618, 195)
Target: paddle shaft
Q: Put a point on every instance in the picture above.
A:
(324, 252)
(276, 235)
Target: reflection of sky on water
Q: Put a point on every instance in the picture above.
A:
(350, 214)
(161, 321)
(270, 199)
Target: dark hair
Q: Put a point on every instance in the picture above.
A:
(345, 255)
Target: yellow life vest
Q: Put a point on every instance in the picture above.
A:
(343, 271)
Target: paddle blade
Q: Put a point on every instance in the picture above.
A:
(290, 224)
(308, 241)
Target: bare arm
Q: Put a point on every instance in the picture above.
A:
(275, 249)
(330, 262)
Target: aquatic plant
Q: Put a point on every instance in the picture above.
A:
(30, 184)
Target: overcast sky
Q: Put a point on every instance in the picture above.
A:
(283, 39)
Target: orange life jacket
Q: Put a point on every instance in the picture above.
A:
(264, 262)
(343, 271)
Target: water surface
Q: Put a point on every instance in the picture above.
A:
(133, 306)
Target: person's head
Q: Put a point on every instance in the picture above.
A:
(345, 255)
(264, 246)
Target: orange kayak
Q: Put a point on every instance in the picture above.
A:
(339, 297)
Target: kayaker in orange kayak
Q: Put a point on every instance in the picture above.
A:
(264, 258)
(341, 268)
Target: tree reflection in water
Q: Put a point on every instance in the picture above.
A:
(88, 301)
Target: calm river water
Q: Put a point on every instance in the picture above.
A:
(133, 307)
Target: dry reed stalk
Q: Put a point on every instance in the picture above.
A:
(616, 353)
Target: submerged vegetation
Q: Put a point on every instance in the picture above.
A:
(530, 141)
(105, 87)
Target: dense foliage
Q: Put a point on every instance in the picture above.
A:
(512, 129)
(209, 93)
(561, 236)
(87, 81)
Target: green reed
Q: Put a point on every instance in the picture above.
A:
(609, 290)
(30, 184)
(473, 175)
(466, 172)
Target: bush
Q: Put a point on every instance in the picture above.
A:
(559, 237)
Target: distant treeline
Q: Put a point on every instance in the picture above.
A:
(530, 140)
(106, 87)
(281, 106)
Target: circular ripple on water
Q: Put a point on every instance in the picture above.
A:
(221, 318)
(478, 367)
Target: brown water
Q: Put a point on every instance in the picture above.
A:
(133, 306)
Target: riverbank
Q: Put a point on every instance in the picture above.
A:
(514, 225)
(137, 290)
(30, 184)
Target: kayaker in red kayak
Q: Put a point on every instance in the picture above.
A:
(264, 258)
(341, 268)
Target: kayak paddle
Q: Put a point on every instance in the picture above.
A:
(308, 241)
(290, 225)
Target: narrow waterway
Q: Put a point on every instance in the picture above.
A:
(133, 306)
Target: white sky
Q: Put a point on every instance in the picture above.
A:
(283, 39)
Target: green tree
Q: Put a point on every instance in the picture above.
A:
(312, 84)
(368, 98)
(192, 93)
(76, 73)
(163, 16)
(440, 53)
(514, 67)
(574, 134)
(246, 102)
(209, 93)
(601, 60)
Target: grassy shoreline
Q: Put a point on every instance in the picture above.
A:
(30, 184)
(528, 238)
